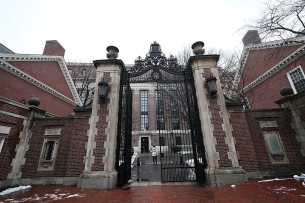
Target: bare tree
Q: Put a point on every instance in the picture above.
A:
(280, 19)
(83, 76)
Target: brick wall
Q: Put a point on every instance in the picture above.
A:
(47, 72)
(243, 141)
(287, 135)
(266, 93)
(71, 147)
(12, 139)
(17, 89)
(261, 60)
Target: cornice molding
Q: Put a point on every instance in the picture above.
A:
(25, 57)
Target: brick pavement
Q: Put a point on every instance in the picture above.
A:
(253, 191)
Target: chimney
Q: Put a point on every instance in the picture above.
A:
(251, 37)
(53, 47)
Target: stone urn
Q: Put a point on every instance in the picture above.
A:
(286, 91)
(112, 52)
(34, 101)
(198, 48)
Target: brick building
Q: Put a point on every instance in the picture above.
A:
(49, 145)
(266, 67)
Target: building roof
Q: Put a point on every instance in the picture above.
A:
(5, 50)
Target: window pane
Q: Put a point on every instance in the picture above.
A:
(274, 144)
(298, 80)
(178, 141)
(162, 141)
(50, 148)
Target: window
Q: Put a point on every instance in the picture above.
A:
(84, 72)
(162, 141)
(48, 154)
(49, 150)
(274, 144)
(144, 109)
(82, 95)
(160, 111)
(178, 141)
(1, 143)
(297, 80)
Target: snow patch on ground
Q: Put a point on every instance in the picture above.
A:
(302, 176)
(15, 189)
(232, 185)
(47, 197)
(276, 179)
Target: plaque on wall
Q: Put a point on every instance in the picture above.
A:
(268, 124)
(52, 131)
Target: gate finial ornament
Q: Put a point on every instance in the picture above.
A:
(198, 48)
(112, 52)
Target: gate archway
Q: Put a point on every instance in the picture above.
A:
(177, 120)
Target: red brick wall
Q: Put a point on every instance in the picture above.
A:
(47, 72)
(71, 147)
(16, 89)
(243, 141)
(136, 112)
(8, 152)
(260, 61)
(266, 93)
(287, 134)
(53, 47)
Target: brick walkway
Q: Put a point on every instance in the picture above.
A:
(252, 191)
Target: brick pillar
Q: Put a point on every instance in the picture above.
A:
(223, 167)
(99, 172)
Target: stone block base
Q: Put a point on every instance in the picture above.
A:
(5, 183)
(225, 176)
(105, 180)
(46, 181)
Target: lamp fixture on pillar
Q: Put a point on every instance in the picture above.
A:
(102, 88)
(212, 86)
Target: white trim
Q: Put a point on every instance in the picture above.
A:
(290, 80)
(61, 63)
(1, 143)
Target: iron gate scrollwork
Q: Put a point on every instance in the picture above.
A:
(124, 148)
(178, 123)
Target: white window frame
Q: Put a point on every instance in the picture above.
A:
(48, 165)
(276, 158)
(290, 80)
(1, 143)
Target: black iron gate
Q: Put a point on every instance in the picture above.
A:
(180, 137)
(124, 148)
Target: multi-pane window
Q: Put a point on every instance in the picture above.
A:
(175, 110)
(161, 141)
(160, 111)
(144, 109)
(84, 72)
(297, 79)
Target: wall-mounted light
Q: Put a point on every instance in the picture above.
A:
(212, 86)
(102, 88)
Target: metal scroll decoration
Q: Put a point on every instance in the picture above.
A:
(154, 65)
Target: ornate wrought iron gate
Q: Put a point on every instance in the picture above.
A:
(180, 136)
(124, 148)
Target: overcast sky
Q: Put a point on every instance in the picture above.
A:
(85, 28)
